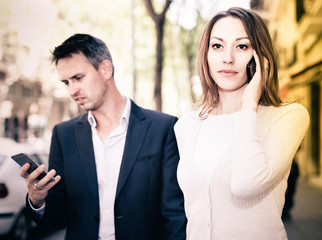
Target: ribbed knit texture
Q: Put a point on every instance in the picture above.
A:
(233, 171)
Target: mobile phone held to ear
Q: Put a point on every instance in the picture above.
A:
(251, 69)
(23, 158)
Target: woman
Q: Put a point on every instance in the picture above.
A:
(236, 150)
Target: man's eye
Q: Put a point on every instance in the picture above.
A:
(65, 82)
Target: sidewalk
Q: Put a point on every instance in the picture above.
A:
(306, 220)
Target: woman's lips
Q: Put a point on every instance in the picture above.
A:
(227, 73)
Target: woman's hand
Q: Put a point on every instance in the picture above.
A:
(253, 91)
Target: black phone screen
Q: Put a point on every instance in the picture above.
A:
(250, 69)
(23, 158)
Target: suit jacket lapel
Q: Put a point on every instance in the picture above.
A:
(83, 135)
(137, 130)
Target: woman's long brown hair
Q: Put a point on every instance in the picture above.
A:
(261, 42)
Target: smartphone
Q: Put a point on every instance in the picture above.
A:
(23, 158)
(250, 69)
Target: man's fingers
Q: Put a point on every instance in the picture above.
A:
(45, 183)
(37, 172)
(24, 169)
(47, 179)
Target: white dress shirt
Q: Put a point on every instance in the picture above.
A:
(108, 158)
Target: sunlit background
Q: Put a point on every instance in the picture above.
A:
(32, 99)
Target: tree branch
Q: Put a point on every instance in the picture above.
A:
(156, 17)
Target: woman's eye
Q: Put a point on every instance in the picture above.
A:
(216, 45)
(242, 46)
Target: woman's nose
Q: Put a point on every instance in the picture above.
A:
(229, 56)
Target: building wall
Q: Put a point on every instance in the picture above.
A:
(296, 28)
(26, 112)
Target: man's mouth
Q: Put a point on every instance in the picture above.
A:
(79, 100)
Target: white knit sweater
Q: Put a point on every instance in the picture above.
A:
(233, 171)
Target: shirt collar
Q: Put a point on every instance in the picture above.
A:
(123, 120)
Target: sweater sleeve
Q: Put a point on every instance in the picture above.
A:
(257, 163)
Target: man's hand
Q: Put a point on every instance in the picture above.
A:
(38, 190)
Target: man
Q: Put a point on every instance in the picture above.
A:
(116, 165)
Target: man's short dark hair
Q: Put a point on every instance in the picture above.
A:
(94, 49)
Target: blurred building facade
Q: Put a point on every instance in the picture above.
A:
(28, 107)
(30, 102)
(26, 111)
(296, 28)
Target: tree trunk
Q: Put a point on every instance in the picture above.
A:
(159, 20)
(158, 68)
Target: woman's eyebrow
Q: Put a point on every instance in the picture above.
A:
(237, 39)
(242, 38)
(218, 38)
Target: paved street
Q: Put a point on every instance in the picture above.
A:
(306, 220)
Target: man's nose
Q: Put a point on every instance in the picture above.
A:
(73, 89)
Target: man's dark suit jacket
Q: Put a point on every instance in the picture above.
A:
(148, 203)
